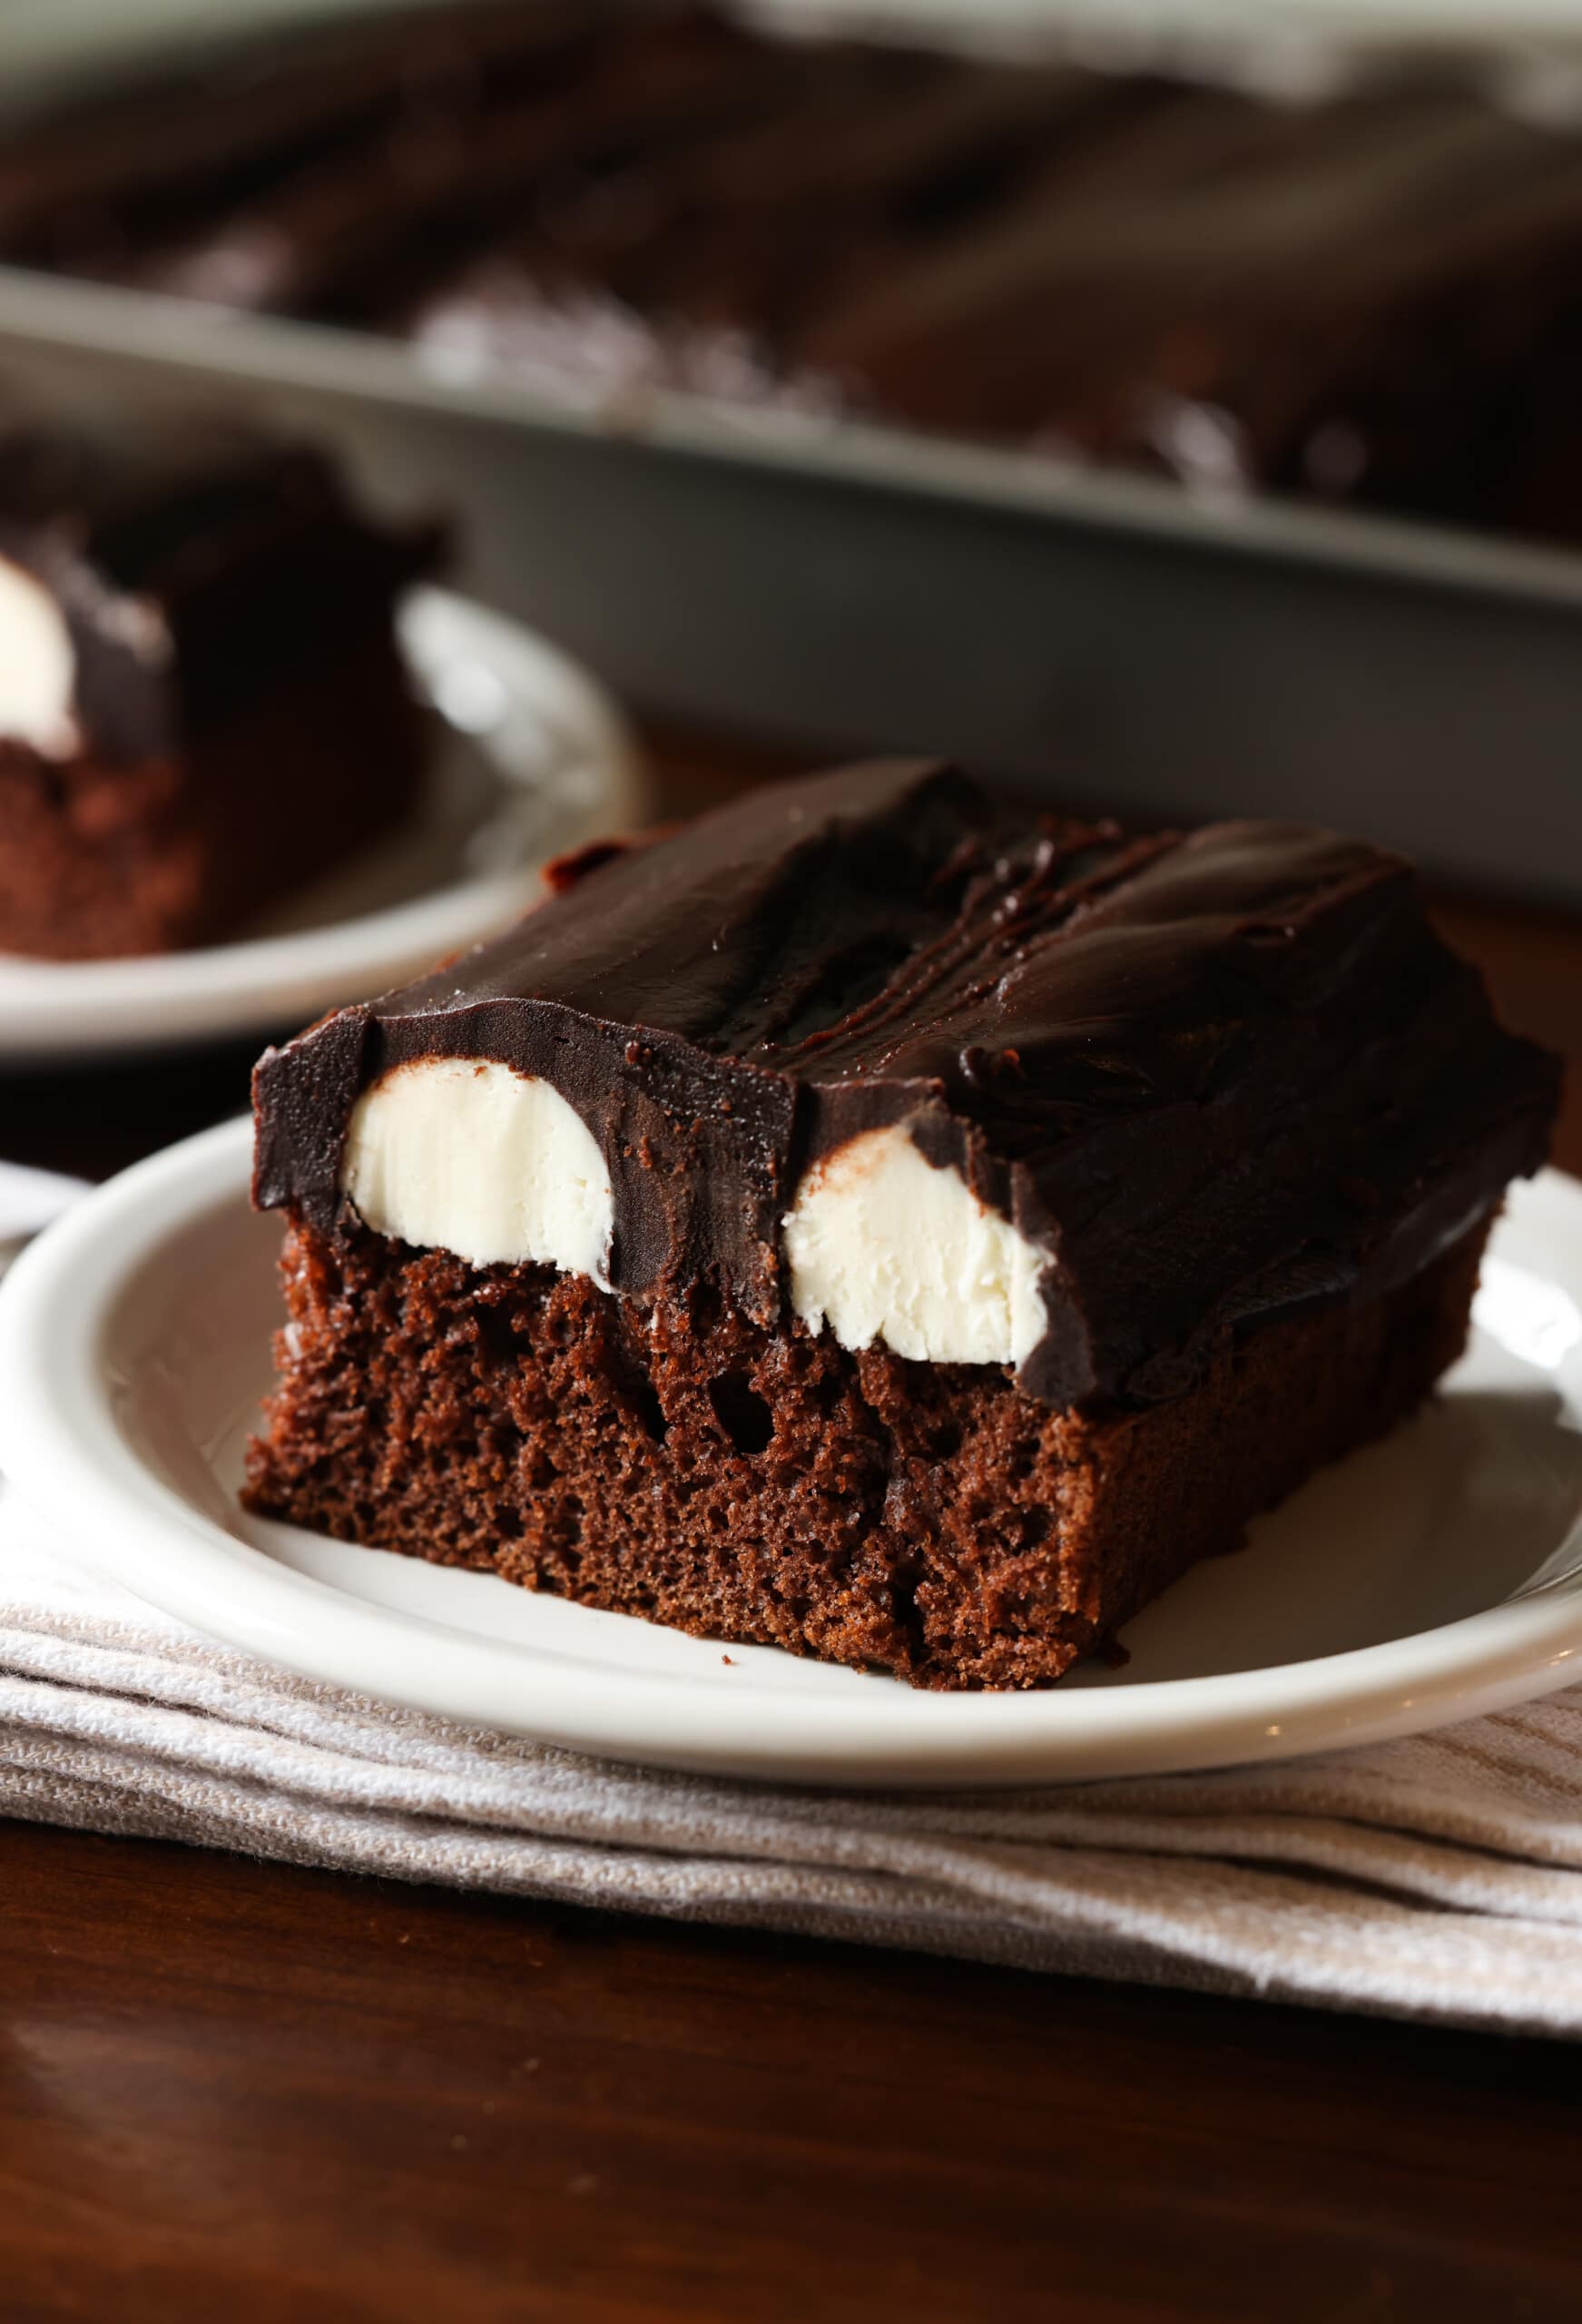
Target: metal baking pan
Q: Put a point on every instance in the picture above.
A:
(1105, 637)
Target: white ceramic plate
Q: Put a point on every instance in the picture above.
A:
(532, 759)
(1430, 1577)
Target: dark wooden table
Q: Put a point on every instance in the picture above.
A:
(234, 2093)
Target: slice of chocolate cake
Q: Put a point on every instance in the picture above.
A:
(203, 702)
(880, 1223)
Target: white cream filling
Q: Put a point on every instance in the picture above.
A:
(38, 667)
(472, 1157)
(884, 1247)
(458, 1155)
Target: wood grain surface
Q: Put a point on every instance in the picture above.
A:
(240, 2092)
(233, 2091)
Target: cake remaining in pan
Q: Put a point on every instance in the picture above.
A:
(203, 702)
(1365, 294)
(877, 1222)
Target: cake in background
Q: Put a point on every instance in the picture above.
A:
(1368, 296)
(203, 701)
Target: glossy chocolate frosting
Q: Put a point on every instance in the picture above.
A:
(193, 566)
(1215, 1077)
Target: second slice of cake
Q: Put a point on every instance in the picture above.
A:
(879, 1222)
(203, 703)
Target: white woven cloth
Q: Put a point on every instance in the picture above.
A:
(1439, 1878)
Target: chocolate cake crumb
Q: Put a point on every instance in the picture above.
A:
(935, 1521)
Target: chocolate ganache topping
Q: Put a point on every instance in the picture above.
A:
(1211, 1079)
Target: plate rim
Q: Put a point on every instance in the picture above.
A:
(87, 1011)
(62, 1450)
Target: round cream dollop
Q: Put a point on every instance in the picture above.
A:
(38, 667)
(885, 1249)
(455, 1154)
